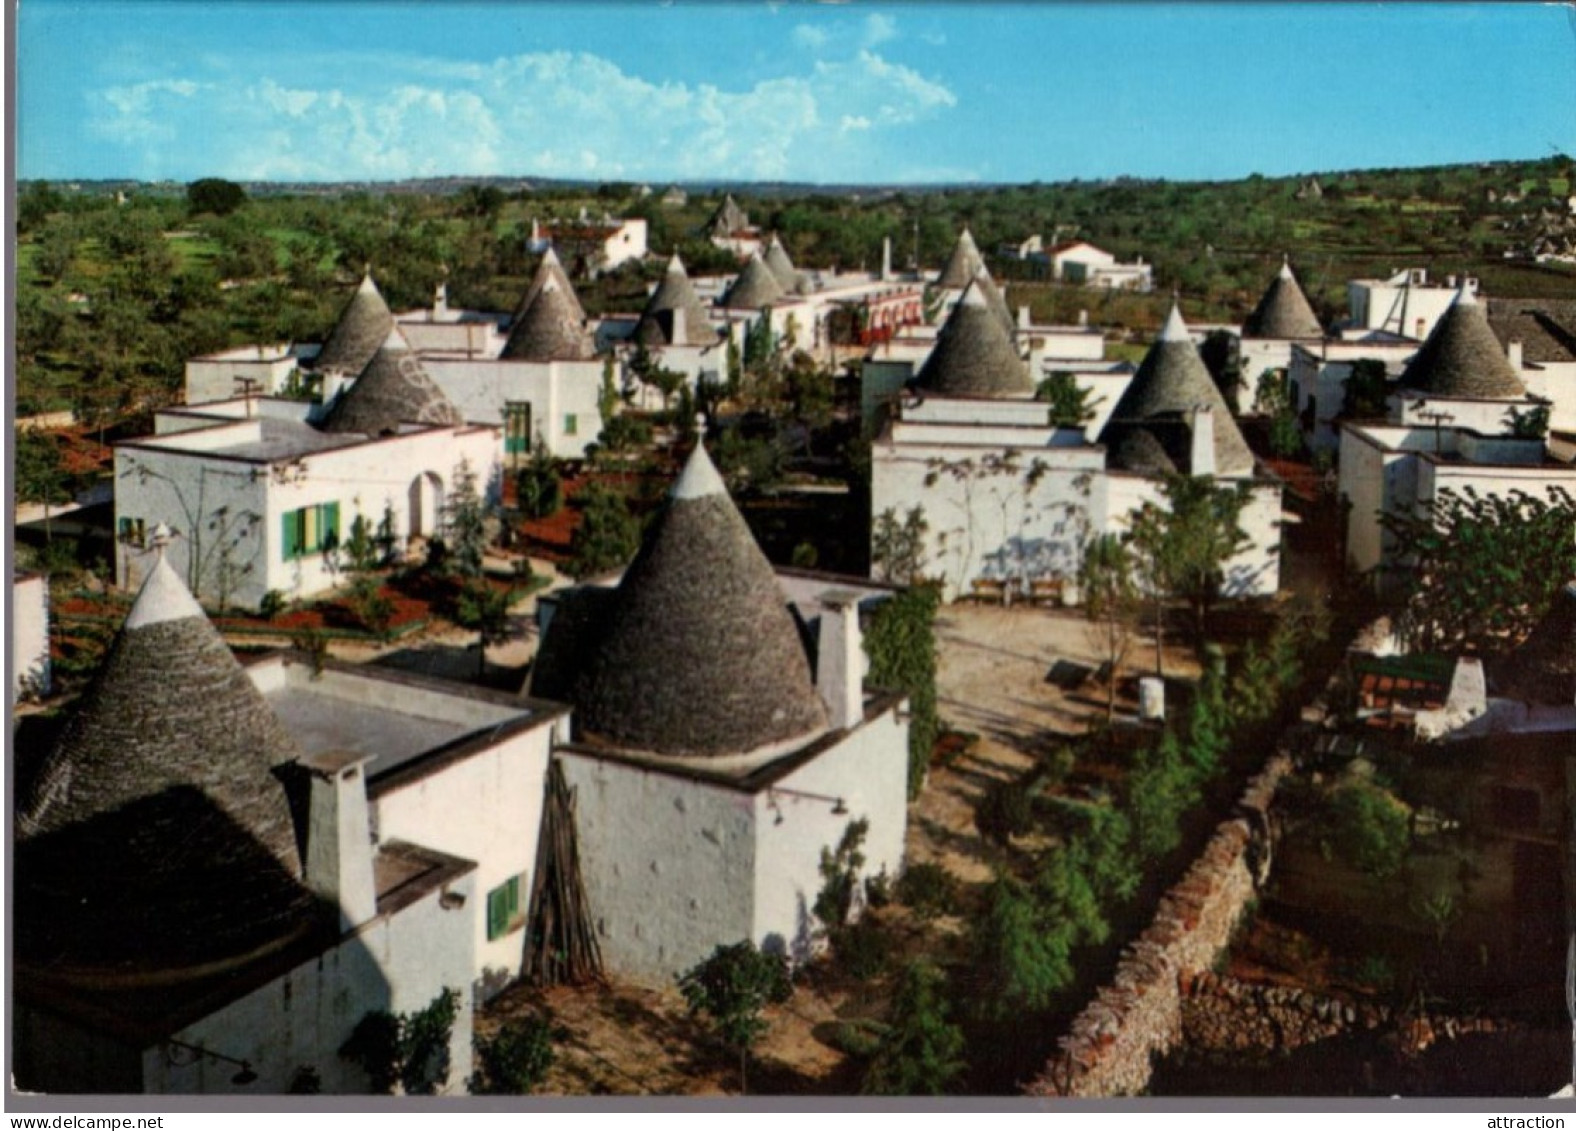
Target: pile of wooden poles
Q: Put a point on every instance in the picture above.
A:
(561, 946)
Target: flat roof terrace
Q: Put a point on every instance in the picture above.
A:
(393, 718)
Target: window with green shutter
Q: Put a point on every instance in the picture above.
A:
(571, 424)
(310, 530)
(516, 428)
(504, 912)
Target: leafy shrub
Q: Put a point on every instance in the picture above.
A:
(859, 1037)
(878, 889)
(921, 1052)
(928, 888)
(273, 603)
(1369, 828)
(1004, 812)
(515, 1060)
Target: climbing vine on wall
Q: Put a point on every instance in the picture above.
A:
(901, 644)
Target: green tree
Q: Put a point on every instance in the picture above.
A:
(215, 195)
(1182, 547)
(1069, 401)
(897, 549)
(1021, 957)
(1111, 601)
(607, 535)
(1482, 570)
(464, 524)
(1159, 789)
(921, 1052)
(484, 609)
(732, 988)
(901, 644)
(537, 487)
(513, 1061)
(840, 877)
(41, 475)
(1369, 828)
(1365, 391)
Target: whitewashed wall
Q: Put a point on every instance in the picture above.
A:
(216, 377)
(396, 963)
(1375, 475)
(488, 808)
(185, 481)
(668, 864)
(555, 390)
(29, 635)
(868, 770)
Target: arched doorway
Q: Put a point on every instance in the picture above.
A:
(426, 504)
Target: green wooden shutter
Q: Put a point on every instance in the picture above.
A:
(497, 911)
(330, 535)
(290, 535)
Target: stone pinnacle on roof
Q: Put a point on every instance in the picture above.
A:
(1171, 382)
(964, 263)
(551, 267)
(703, 658)
(974, 354)
(392, 390)
(363, 324)
(755, 287)
(549, 329)
(1462, 357)
(1283, 311)
(674, 293)
(155, 835)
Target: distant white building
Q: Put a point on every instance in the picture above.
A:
(1083, 264)
(260, 496)
(1010, 500)
(1451, 423)
(1405, 303)
(589, 245)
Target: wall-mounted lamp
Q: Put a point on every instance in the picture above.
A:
(179, 1054)
(451, 900)
(839, 807)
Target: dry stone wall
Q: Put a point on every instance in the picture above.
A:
(1109, 1048)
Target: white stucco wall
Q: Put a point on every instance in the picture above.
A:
(990, 525)
(868, 770)
(397, 963)
(216, 377)
(187, 483)
(1555, 382)
(1490, 417)
(29, 635)
(668, 864)
(486, 807)
(555, 390)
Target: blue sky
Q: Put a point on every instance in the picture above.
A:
(917, 92)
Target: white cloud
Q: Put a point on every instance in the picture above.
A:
(555, 113)
(879, 29)
(812, 37)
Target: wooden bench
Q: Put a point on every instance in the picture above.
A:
(988, 589)
(1046, 591)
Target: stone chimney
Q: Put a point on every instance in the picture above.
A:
(1023, 318)
(840, 662)
(680, 328)
(886, 258)
(1468, 689)
(1083, 318)
(339, 835)
(440, 301)
(1202, 453)
(1513, 353)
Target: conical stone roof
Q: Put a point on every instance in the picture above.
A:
(1283, 311)
(995, 299)
(974, 354)
(728, 218)
(1171, 381)
(1138, 449)
(1543, 669)
(703, 658)
(157, 836)
(362, 327)
(1462, 357)
(549, 330)
(655, 327)
(781, 267)
(964, 263)
(755, 287)
(392, 390)
(550, 268)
